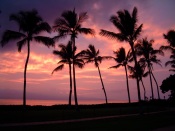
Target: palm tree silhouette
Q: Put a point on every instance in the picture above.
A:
(141, 74)
(122, 60)
(148, 57)
(171, 62)
(170, 37)
(70, 23)
(65, 54)
(92, 55)
(126, 23)
(30, 25)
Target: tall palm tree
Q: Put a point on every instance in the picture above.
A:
(65, 55)
(30, 25)
(92, 55)
(70, 23)
(141, 74)
(148, 57)
(126, 24)
(122, 59)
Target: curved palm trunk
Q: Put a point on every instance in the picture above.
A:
(136, 65)
(70, 93)
(25, 70)
(149, 69)
(102, 84)
(144, 89)
(156, 85)
(127, 84)
(74, 78)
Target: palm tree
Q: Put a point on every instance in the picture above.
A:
(30, 25)
(148, 57)
(126, 24)
(122, 60)
(65, 54)
(70, 23)
(92, 55)
(170, 37)
(171, 62)
(141, 74)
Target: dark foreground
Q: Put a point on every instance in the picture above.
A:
(17, 114)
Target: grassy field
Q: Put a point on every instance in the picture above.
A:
(17, 114)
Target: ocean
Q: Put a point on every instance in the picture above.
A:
(53, 102)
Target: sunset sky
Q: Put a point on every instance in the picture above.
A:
(157, 16)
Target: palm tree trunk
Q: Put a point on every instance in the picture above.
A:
(136, 65)
(144, 89)
(25, 70)
(127, 84)
(74, 78)
(156, 85)
(70, 93)
(102, 84)
(149, 68)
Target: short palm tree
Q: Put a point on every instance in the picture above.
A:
(70, 23)
(122, 59)
(126, 24)
(30, 25)
(141, 74)
(148, 57)
(65, 55)
(92, 55)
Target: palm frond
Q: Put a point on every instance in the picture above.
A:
(116, 66)
(134, 14)
(86, 31)
(114, 19)
(60, 67)
(82, 17)
(170, 63)
(45, 40)
(43, 26)
(58, 37)
(172, 70)
(9, 35)
(146, 74)
(169, 48)
(112, 35)
(21, 43)
(137, 32)
(64, 61)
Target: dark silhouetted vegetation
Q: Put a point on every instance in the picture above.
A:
(129, 31)
(30, 25)
(70, 23)
(122, 59)
(169, 85)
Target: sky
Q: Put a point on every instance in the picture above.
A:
(157, 17)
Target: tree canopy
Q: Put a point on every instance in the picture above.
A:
(169, 85)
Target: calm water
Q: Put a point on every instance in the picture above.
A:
(53, 102)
